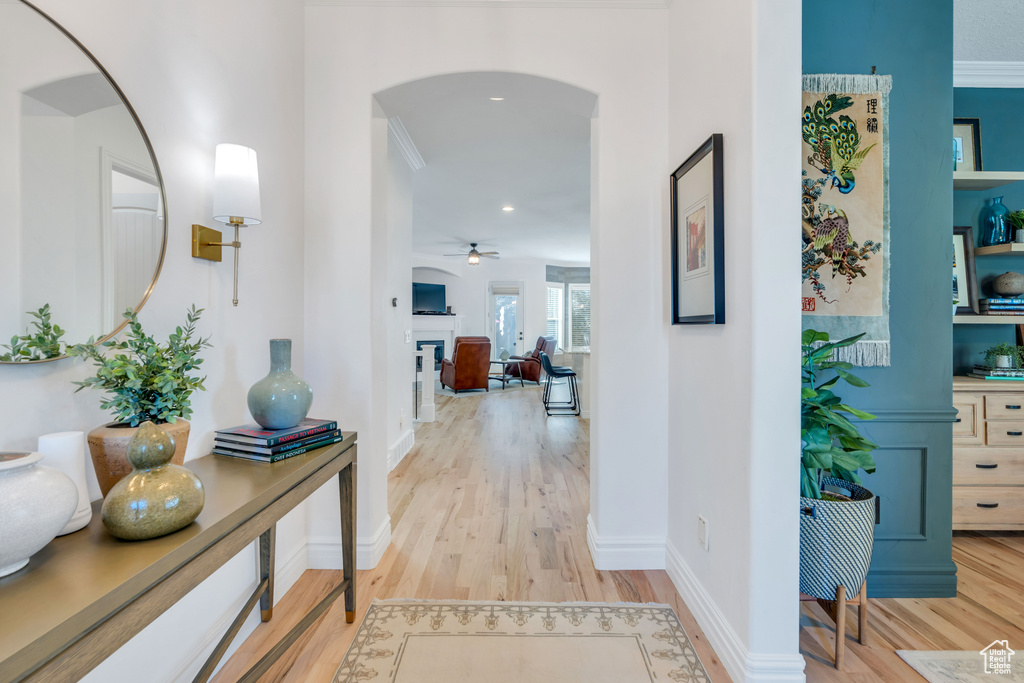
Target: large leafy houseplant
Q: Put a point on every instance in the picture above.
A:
(831, 443)
(146, 380)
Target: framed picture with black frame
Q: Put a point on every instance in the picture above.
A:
(698, 239)
(967, 144)
(965, 282)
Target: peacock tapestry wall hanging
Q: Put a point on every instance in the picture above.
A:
(846, 212)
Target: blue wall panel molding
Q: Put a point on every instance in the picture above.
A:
(913, 41)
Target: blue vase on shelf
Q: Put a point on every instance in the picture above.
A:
(995, 228)
(280, 400)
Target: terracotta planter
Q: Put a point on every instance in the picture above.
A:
(108, 446)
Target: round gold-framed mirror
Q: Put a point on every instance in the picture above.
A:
(83, 211)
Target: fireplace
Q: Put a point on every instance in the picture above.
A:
(438, 345)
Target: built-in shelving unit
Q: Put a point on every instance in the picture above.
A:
(1009, 248)
(988, 319)
(984, 180)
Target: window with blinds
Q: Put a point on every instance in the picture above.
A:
(555, 320)
(579, 317)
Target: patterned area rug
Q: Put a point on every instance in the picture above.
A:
(520, 642)
(953, 666)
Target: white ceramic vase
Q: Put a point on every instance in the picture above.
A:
(36, 503)
(65, 451)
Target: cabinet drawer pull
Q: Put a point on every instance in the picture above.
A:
(988, 505)
(1013, 407)
(958, 420)
(986, 467)
(1015, 433)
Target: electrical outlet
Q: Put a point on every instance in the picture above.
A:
(408, 336)
(702, 532)
(401, 420)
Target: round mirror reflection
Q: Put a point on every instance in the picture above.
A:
(82, 219)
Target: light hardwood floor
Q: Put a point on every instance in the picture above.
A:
(491, 504)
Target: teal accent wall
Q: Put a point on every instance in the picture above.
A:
(913, 41)
(1002, 148)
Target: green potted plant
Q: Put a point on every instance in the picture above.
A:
(1004, 355)
(837, 520)
(1016, 219)
(143, 380)
(42, 343)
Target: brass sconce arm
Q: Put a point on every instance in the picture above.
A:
(206, 244)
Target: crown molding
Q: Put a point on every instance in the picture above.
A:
(544, 4)
(399, 137)
(988, 74)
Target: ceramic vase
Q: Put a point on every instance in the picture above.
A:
(995, 225)
(35, 504)
(1009, 284)
(280, 400)
(65, 452)
(157, 498)
(108, 446)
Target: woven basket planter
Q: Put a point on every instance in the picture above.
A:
(835, 541)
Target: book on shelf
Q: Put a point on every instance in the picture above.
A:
(274, 450)
(258, 436)
(998, 372)
(991, 377)
(275, 457)
(985, 311)
(1001, 301)
(1002, 307)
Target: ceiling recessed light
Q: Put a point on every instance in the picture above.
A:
(497, 99)
(507, 208)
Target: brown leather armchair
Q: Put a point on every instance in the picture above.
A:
(529, 367)
(469, 366)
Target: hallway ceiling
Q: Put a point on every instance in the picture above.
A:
(530, 151)
(988, 30)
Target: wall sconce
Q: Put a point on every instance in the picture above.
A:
(236, 201)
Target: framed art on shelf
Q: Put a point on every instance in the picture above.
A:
(967, 144)
(965, 284)
(698, 242)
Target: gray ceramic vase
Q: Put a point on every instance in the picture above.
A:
(1009, 284)
(157, 497)
(280, 400)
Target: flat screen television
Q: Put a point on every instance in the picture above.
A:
(427, 298)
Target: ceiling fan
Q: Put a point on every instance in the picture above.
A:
(473, 256)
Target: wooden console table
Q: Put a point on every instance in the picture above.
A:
(86, 594)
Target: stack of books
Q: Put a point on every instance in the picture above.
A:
(253, 442)
(1001, 306)
(982, 372)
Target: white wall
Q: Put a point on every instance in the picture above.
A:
(583, 48)
(400, 365)
(193, 88)
(733, 387)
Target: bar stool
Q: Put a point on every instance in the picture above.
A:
(570, 407)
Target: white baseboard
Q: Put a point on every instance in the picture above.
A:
(400, 448)
(618, 553)
(325, 551)
(731, 650)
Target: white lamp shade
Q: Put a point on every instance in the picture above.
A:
(236, 185)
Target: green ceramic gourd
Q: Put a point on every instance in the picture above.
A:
(157, 498)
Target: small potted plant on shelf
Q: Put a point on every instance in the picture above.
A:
(837, 514)
(1004, 355)
(144, 380)
(1016, 219)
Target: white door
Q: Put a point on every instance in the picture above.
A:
(505, 307)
